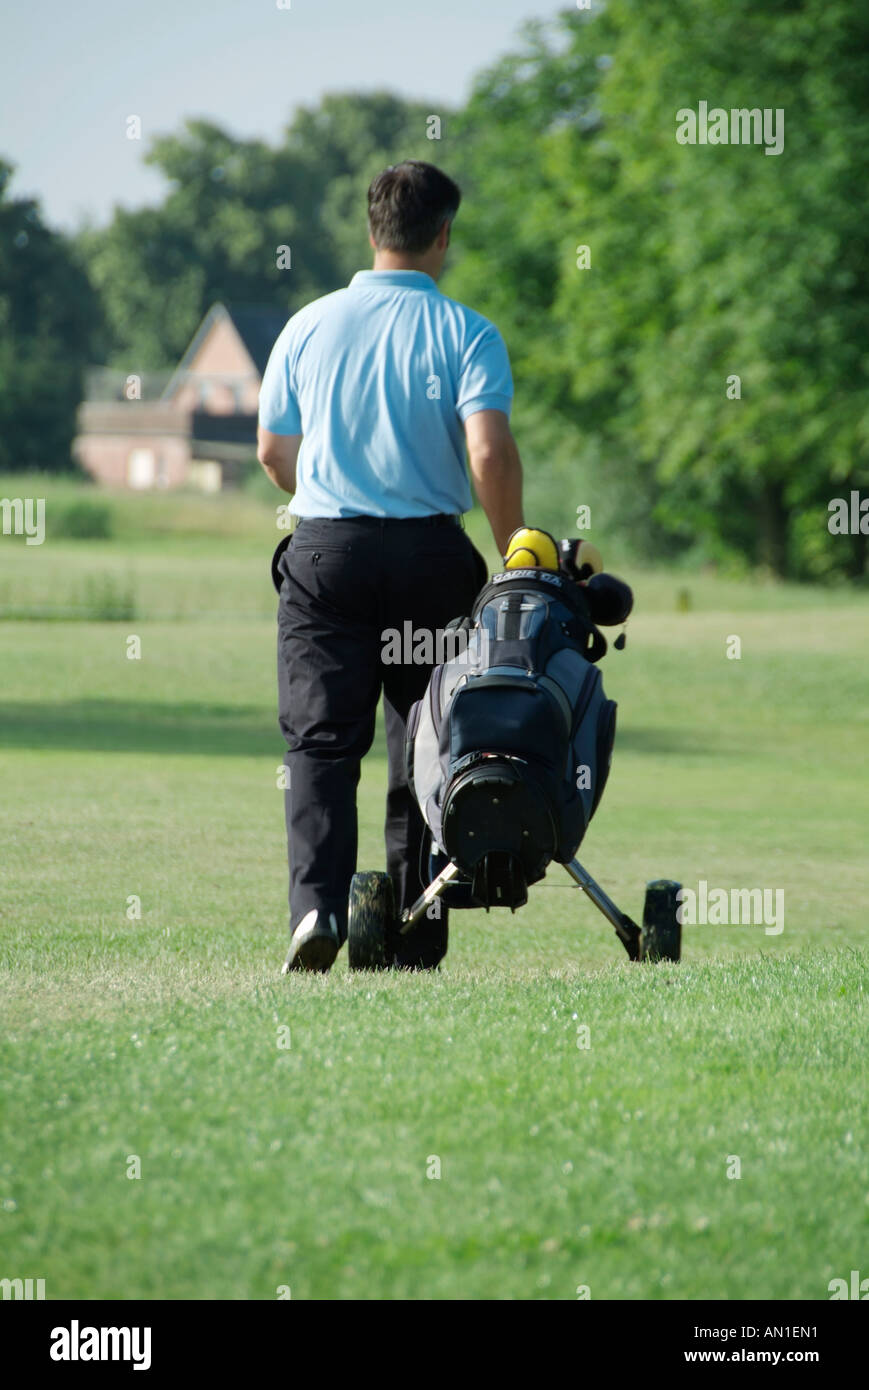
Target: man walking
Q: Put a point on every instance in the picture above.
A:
(367, 402)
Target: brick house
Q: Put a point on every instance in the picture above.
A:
(193, 427)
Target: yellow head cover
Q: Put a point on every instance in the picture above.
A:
(529, 548)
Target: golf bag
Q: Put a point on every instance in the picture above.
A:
(508, 752)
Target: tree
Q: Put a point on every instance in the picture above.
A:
(767, 255)
(231, 205)
(48, 315)
(705, 263)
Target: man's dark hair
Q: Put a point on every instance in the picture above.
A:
(408, 204)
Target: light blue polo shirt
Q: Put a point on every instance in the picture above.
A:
(379, 377)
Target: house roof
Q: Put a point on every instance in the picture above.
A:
(257, 325)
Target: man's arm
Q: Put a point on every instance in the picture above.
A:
(496, 470)
(278, 454)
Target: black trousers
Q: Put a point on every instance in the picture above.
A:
(346, 583)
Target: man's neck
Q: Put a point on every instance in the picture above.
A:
(394, 260)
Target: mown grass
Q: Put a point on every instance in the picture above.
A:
(306, 1165)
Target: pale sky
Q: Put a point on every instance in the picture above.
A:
(72, 71)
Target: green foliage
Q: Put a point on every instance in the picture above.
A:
(47, 316)
(705, 263)
(84, 520)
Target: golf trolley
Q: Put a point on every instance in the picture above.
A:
(372, 918)
(508, 753)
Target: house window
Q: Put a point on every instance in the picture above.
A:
(141, 468)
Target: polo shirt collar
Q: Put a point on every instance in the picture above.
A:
(404, 279)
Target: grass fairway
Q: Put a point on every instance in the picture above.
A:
(285, 1128)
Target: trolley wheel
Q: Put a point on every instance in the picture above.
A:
(662, 930)
(370, 920)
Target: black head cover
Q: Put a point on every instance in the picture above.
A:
(610, 600)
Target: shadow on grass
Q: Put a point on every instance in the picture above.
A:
(675, 742)
(115, 726)
(124, 726)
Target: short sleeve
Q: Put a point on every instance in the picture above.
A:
(278, 407)
(485, 381)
